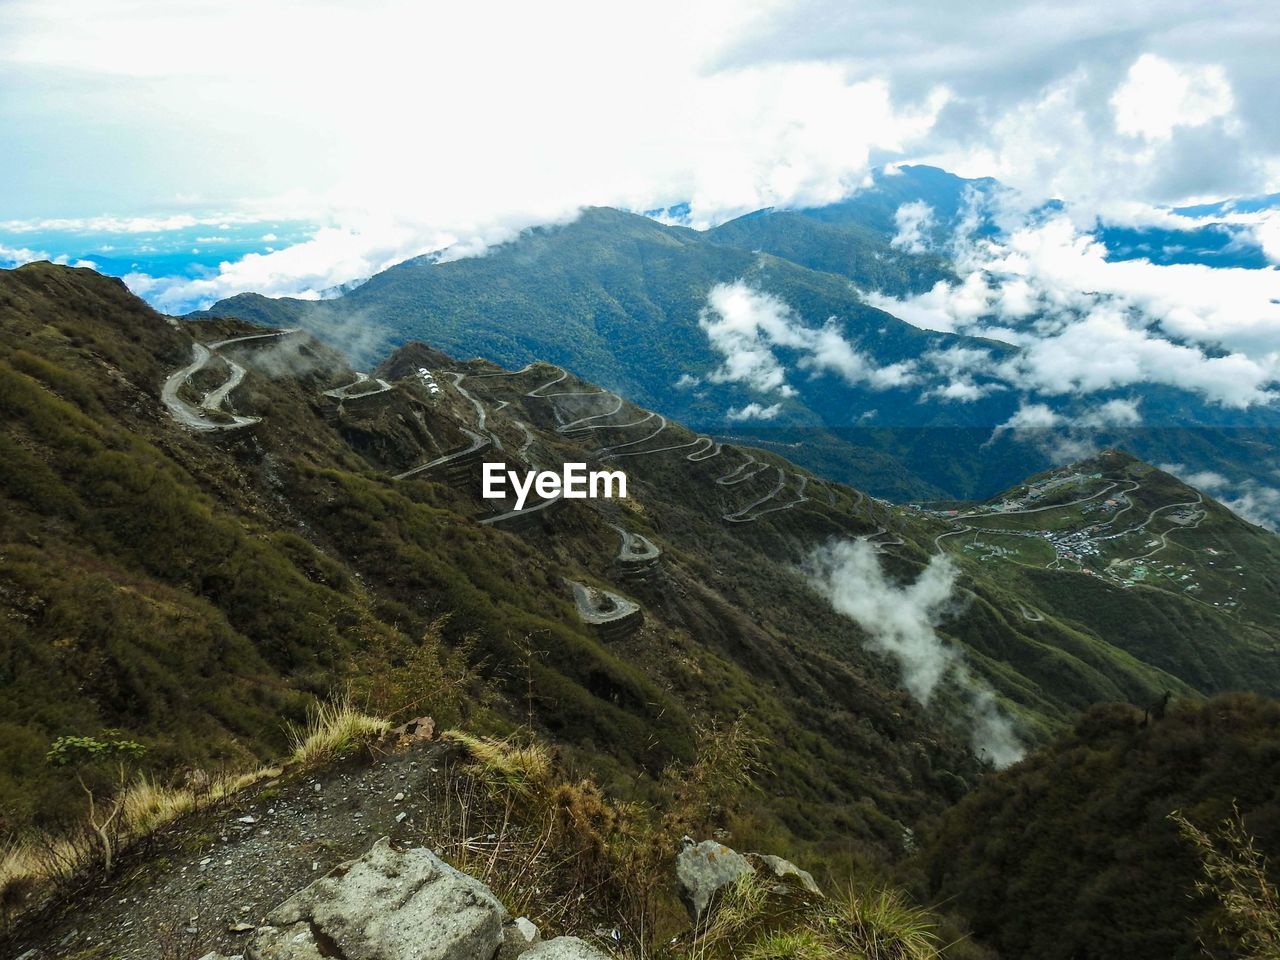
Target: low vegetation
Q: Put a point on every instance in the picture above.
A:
(334, 730)
(1072, 852)
(1234, 873)
(135, 812)
(577, 861)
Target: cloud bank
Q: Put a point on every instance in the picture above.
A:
(749, 328)
(1087, 324)
(1248, 498)
(449, 121)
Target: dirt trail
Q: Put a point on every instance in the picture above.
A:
(235, 865)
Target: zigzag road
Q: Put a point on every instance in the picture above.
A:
(197, 417)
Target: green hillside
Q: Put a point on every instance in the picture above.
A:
(196, 588)
(1073, 853)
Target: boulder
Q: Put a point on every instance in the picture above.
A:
(703, 870)
(389, 904)
(518, 936)
(564, 948)
(785, 870)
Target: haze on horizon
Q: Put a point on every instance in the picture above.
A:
(393, 128)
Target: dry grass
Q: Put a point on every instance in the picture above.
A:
(756, 919)
(1235, 873)
(40, 863)
(334, 730)
(505, 763)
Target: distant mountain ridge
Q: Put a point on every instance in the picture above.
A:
(623, 300)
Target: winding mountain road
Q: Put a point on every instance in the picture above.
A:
(477, 441)
(606, 452)
(800, 498)
(699, 455)
(197, 418)
(741, 516)
(345, 392)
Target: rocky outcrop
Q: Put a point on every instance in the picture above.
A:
(704, 870)
(784, 870)
(564, 948)
(518, 937)
(394, 904)
(390, 904)
(408, 904)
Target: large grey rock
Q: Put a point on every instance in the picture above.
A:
(785, 870)
(518, 937)
(390, 904)
(703, 870)
(563, 948)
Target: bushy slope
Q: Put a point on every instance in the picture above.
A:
(1072, 853)
(196, 590)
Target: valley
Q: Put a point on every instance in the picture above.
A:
(832, 375)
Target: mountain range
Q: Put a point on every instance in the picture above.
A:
(767, 327)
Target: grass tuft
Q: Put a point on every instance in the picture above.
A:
(334, 730)
(506, 764)
(882, 925)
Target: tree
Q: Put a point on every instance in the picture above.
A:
(86, 753)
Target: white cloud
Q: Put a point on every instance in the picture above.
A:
(914, 221)
(465, 114)
(901, 621)
(108, 224)
(464, 127)
(1158, 96)
(958, 366)
(333, 256)
(753, 411)
(1065, 439)
(1088, 324)
(743, 325)
(1166, 131)
(961, 391)
(17, 256)
(1267, 234)
(748, 327)
(1113, 413)
(1249, 498)
(1031, 416)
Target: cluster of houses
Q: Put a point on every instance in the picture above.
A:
(429, 381)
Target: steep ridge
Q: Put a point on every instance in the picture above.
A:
(617, 298)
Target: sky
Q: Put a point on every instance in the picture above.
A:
(304, 146)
